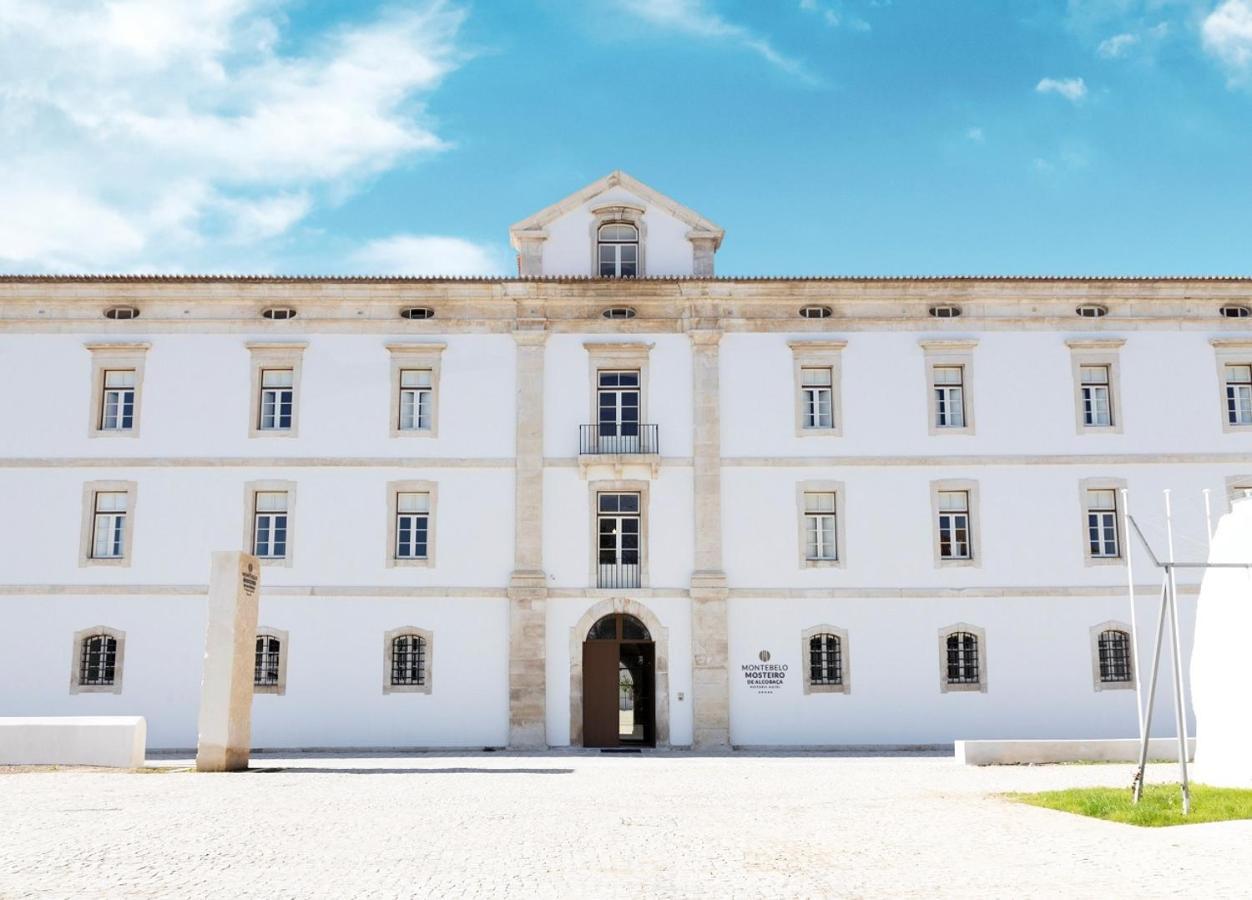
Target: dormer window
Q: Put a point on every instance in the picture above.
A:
(617, 248)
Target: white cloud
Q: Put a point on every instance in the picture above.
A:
(420, 254)
(833, 14)
(1227, 36)
(1072, 89)
(698, 19)
(975, 134)
(180, 130)
(1117, 46)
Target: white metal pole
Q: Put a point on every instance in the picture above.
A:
(1134, 630)
(1208, 518)
(1151, 704)
(1180, 709)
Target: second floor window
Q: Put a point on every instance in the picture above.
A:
(269, 529)
(1097, 408)
(815, 388)
(949, 396)
(1102, 524)
(819, 526)
(117, 406)
(954, 525)
(109, 529)
(618, 523)
(416, 397)
(412, 525)
(617, 249)
(277, 399)
(1239, 395)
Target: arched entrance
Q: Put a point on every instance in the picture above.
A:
(619, 683)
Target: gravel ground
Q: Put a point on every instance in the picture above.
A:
(591, 825)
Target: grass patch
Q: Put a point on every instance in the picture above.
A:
(1161, 804)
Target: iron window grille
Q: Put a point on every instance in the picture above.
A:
(277, 399)
(825, 659)
(816, 394)
(949, 390)
(417, 396)
(1097, 408)
(962, 658)
(944, 312)
(408, 660)
(618, 250)
(819, 526)
(815, 312)
(269, 528)
(109, 530)
(279, 313)
(1115, 661)
(1102, 537)
(1239, 395)
(618, 521)
(266, 672)
(97, 661)
(412, 525)
(954, 525)
(117, 409)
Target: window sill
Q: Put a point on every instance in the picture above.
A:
(119, 562)
(1098, 561)
(1102, 686)
(946, 688)
(95, 688)
(394, 563)
(823, 564)
(406, 688)
(114, 433)
(277, 689)
(826, 688)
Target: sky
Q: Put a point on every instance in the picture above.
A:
(828, 137)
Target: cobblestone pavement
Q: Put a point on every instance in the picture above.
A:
(587, 825)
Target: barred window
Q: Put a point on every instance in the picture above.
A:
(97, 662)
(1115, 656)
(408, 660)
(825, 659)
(268, 650)
(962, 658)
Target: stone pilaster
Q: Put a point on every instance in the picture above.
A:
(710, 689)
(530, 253)
(528, 587)
(703, 248)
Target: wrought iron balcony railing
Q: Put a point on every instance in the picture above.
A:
(617, 575)
(618, 438)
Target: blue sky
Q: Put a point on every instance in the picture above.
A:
(840, 137)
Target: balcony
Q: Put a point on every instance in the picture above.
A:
(622, 449)
(618, 575)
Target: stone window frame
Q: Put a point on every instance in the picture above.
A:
(119, 667)
(981, 635)
(613, 355)
(87, 531)
(970, 486)
(275, 355)
(427, 668)
(1116, 485)
(265, 485)
(1104, 352)
(110, 357)
(411, 486)
(415, 355)
(845, 660)
(281, 687)
(625, 213)
(826, 354)
(1095, 632)
(617, 486)
(941, 352)
(841, 543)
(1235, 487)
(1230, 352)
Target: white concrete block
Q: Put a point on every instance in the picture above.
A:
(73, 741)
(1007, 753)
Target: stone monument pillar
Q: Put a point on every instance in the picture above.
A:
(225, 738)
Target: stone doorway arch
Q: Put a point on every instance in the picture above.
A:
(660, 637)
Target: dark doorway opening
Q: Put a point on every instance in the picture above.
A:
(619, 684)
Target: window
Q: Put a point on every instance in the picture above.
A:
(109, 536)
(617, 411)
(279, 313)
(1091, 311)
(817, 370)
(618, 522)
(819, 526)
(954, 525)
(949, 366)
(416, 399)
(415, 370)
(275, 385)
(1238, 487)
(417, 312)
(1094, 364)
(1112, 657)
(116, 379)
(618, 250)
(277, 399)
(619, 312)
(1239, 395)
(945, 311)
(1097, 408)
(962, 659)
(97, 661)
(1102, 524)
(815, 312)
(407, 660)
(1235, 311)
(268, 649)
(269, 525)
(122, 312)
(1234, 372)
(949, 397)
(816, 397)
(410, 529)
(824, 651)
(619, 400)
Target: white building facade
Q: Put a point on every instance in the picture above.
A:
(615, 500)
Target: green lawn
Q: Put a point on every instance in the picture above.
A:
(1161, 804)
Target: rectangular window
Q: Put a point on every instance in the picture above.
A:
(949, 396)
(412, 525)
(1097, 407)
(269, 530)
(1102, 537)
(816, 397)
(277, 399)
(618, 522)
(1239, 395)
(819, 526)
(117, 405)
(416, 398)
(954, 525)
(109, 530)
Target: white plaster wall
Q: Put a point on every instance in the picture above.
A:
(568, 249)
(1038, 670)
(335, 669)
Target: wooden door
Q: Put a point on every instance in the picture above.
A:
(600, 687)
